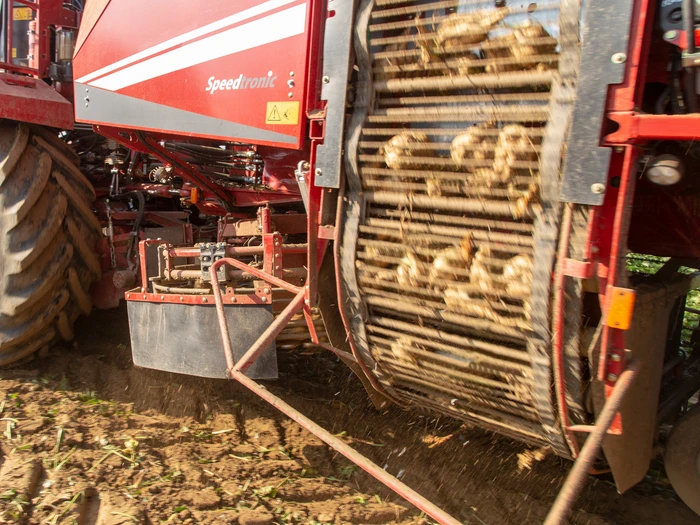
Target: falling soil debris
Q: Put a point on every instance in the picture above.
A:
(89, 439)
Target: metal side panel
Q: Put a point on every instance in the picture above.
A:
(336, 71)
(605, 38)
(185, 339)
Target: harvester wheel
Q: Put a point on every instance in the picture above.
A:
(683, 458)
(47, 237)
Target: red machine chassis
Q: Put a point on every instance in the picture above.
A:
(603, 260)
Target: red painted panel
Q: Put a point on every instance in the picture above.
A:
(239, 62)
(31, 100)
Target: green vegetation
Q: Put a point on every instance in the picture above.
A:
(649, 265)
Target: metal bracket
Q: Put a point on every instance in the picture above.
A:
(208, 254)
(606, 29)
(337, 43)
(302, 174)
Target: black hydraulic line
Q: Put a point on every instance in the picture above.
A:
(688, 11)
(134, 235)
(225, 199)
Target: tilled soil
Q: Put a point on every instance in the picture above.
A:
(89, 439)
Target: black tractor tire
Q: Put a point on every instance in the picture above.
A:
(682, 458)
(48, 233)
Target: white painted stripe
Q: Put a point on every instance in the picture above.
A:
(186, 37)
(273, 28)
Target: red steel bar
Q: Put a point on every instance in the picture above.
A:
(269, 335)
(142, 257)
(289, 249)
(255, 272)
(178, 274)
(558, 310)
(361, 461)
(579, 472)
(252, 354)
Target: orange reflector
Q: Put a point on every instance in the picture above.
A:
(621, 308)
(194, 195)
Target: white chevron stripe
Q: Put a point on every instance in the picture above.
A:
(273, 28)
(186, 37)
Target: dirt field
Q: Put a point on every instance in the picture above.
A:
(89, 439)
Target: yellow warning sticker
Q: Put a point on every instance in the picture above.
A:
(22, 13)
(282, 113)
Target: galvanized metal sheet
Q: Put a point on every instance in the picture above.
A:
(185, 339)
(605, 35)
(336, 71)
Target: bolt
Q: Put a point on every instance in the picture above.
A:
(277, 267)
(670, 35)
(266, 290)
(145, 296)
(618, 58)
(290, 94)
(291, 73)
(326, 79)
(598, 188)
(306, 302)
(162, 298)
(619, 149)
(612, 378)
(233, 299)
(290, 83)
(277, 243)
(182, 298)
(128, 296)
(616, 358)
(205, 300)
(318, 172)
(277, 256)
(263, 299)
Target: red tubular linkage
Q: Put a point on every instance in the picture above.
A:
(558, 311)
(235, 371)
(579, 472)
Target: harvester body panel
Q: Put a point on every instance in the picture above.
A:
(230, 70)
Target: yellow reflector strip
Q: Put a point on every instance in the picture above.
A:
(621, 308)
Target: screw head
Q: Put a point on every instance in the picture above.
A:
(290, 83)
(266, 290)
(670, 35)
(616, 358)
(326, 79)
(612, 378)
(318, 172)
(182, 298)
(263, 299)
(618, 58)
(128, 296)
(291, 73)
(162, 298)
(290, 94)
(598, 188)
(233, 299)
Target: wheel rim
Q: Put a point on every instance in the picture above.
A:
(683, 458)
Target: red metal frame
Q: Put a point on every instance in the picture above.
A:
(24, 96)
(610, 223)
